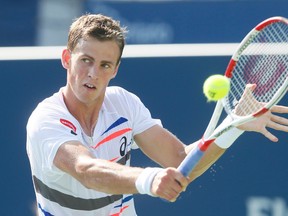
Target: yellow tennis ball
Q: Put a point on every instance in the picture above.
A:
(216, 87)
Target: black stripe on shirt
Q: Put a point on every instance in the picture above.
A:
(77, 203)
(72, 202)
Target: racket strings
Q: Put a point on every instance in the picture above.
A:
(260, 71)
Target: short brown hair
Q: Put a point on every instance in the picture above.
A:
(98, 26)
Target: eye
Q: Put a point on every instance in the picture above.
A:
(86, 60)
(106, 66)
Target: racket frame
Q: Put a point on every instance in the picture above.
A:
(210, 134)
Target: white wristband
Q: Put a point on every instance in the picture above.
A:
(226, 139)
(145, 179)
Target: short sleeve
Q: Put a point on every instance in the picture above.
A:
(46, 132)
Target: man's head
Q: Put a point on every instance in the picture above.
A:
(92, 58)
(97, 26)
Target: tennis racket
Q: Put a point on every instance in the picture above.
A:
(258, 73)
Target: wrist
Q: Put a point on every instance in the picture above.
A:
(145, 179)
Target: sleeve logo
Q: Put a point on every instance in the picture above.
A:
(69, 125)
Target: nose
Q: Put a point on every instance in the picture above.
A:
(93, 72)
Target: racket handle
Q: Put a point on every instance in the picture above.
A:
(190, 161)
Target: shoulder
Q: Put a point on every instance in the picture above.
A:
(122, 101)
(120, 94)
(48, 109)
(116, 90)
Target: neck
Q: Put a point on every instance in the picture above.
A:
(87, 115)
(87, 121)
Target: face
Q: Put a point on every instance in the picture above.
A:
(90, 67)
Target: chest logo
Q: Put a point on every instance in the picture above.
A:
(112, 136)
(116, 134)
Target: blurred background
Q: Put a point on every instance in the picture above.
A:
(249, 180)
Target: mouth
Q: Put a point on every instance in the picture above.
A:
(89, 86)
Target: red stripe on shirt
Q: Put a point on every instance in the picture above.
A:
(112, 136)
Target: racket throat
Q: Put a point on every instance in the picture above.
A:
(261, 112)
(203, 145)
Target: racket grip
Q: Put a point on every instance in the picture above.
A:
(190, 161)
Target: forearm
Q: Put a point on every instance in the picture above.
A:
(76, 160)
(211, 155)
(108, 177)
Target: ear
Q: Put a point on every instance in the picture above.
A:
(65, 58)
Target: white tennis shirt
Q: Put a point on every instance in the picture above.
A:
(122, 116)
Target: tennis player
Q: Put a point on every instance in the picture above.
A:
(79, 140)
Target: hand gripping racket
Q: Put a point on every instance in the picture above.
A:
(258, 72)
